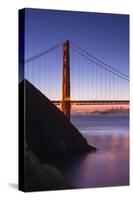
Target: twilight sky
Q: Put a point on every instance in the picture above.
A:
(104, 35)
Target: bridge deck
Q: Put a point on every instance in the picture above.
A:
(95, 102)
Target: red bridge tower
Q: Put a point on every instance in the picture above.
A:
(66, 105)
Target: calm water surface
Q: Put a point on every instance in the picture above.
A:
(109, 165)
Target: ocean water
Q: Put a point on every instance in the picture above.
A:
(109, 165)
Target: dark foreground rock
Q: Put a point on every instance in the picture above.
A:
(39, 177)
(48, 131)
(49, 140)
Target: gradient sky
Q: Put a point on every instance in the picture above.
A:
(104, 35)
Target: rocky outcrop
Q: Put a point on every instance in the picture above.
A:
(39, 177)
(46, 137)
(48, 131)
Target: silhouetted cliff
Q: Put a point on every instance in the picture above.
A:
(48, 131)
(49, 137)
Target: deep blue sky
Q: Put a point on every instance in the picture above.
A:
(104, 35)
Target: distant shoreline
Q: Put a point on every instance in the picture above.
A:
(99, 114)
(112, 112)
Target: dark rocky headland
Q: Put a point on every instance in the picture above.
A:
(48, 136)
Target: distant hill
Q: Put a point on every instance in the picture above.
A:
(112, 111)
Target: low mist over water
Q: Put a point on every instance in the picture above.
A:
(109, 165)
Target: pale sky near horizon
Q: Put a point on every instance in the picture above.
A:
(91, 108)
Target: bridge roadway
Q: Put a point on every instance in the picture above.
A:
(94, 102)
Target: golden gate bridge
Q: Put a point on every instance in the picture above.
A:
(69, 75)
